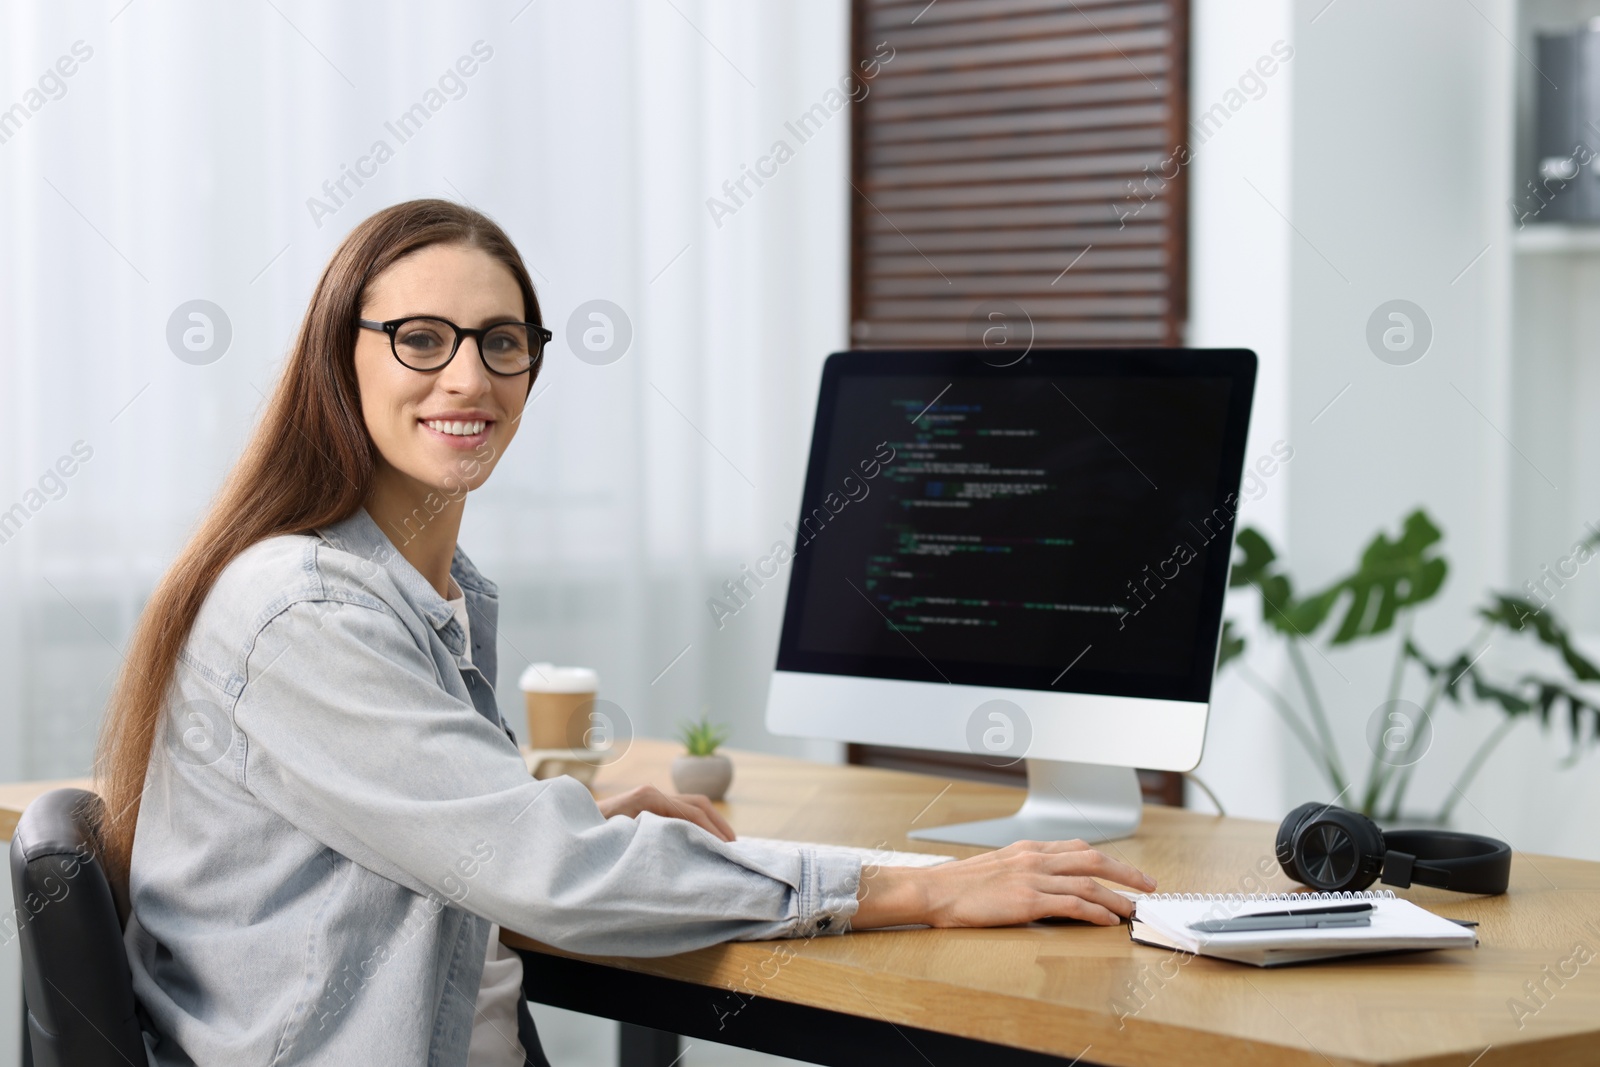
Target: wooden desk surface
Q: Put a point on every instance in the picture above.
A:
(1085, 990)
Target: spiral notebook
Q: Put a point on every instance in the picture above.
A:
(1162, 920)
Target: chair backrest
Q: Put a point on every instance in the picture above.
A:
(75, 977)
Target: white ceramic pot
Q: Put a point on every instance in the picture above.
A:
(706, 775)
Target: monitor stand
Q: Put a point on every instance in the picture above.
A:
(1065, 800)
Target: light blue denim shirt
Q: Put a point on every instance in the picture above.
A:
(336, 811)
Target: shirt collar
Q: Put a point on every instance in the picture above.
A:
(361, 535)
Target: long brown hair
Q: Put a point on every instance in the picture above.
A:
(309, 463)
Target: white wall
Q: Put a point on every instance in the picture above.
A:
(1239, 267)
(1402, 170)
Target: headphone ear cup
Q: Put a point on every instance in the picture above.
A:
(1284, 845)
(1338, 851)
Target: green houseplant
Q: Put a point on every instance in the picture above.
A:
(1393, 578)
(701, 768)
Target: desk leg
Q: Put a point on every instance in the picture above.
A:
(640, 1046)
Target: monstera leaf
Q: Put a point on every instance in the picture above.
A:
(1550, 695)
(1461, 670)
(1527, 694)
(1257, 562)
(1232, 645)
(1393, 575)
(1514, 613)
(1279, 608)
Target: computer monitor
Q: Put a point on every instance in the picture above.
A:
(1023, 559)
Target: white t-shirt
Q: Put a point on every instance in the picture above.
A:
(494, 1024)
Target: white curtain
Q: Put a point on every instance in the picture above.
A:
(212, 152)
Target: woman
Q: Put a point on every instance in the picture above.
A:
(317, 813)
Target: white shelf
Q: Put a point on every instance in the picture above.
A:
(1555, 238)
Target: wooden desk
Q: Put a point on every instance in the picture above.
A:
(921, 996)
(962, 996)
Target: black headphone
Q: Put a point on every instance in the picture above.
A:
(1336, 850)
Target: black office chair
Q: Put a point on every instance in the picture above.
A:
(81, 1011)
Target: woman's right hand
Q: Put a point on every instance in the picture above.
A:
(1017, 884)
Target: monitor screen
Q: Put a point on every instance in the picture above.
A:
(1062, 523)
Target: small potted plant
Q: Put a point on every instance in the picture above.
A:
(702, 769)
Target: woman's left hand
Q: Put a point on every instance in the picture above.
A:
(691, 806)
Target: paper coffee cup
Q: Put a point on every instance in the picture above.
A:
(557, 699)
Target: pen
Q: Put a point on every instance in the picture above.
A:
(1351, 915)
(1331, 909)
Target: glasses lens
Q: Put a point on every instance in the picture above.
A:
(510, 348)
(424, 344)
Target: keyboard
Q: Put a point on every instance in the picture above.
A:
(882, 857)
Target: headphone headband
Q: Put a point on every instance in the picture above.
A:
(1446, 859)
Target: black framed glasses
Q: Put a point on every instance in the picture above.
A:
(429, 343)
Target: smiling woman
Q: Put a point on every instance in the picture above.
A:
(317, 818)
(354, 440)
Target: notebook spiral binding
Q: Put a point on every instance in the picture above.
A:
(1257, 898)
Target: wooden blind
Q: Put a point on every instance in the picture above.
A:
(1019, 176)
(1020, 155)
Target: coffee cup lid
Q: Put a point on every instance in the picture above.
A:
(548, 678)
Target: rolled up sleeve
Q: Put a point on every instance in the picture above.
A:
(348, 735)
